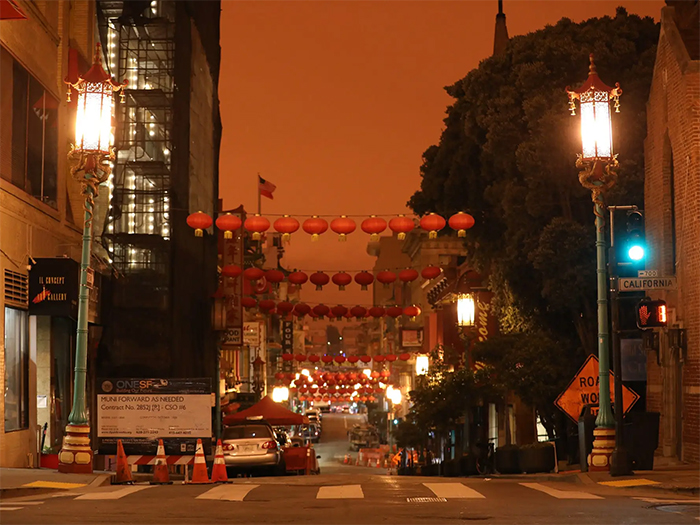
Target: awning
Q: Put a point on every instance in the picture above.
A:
(9, 10)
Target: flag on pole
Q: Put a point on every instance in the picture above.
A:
(265, 187)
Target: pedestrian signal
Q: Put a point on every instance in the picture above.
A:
(651, 314)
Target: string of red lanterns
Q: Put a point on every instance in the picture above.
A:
(268, 306)
(344, 225)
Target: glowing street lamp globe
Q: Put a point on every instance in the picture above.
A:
(466, 310)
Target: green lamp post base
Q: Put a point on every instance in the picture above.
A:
(75, 456)
(603, 445)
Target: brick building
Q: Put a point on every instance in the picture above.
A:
(672, 217)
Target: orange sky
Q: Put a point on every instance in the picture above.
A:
(335, 102)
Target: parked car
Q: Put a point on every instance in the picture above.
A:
(251, 446)
(311, 432)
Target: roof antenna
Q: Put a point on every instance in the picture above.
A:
(500, 7)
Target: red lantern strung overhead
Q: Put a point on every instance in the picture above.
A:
(364, 279)
(288, 357)
(374, 226)
(386, 277)
(300, 358)
(348, 315)
(339, 311)
(327, 358)
(385, 373)
(358, 312)
(274, 276)
(365, 358)
(430, 272)
(301, 309)
(314, 358)
(394, 311)
(199, 221)
(353, 359)
(248, 302)
(378, 359)
(231, 270)
(284, 307)
(391, 357)
(376, 312)
(339, 359)
(257, 225)
(432, 223)
(411, 311)
(253, 274)
(342, 279)
(352, 376)
(405, 356)
(374, 373)
(321, 310)
(401, 225)
(320, 279)
(343, 227)
(408, 275)
(461, 222)
(228, 224)
(315, 226)
(297, 278)
(279, 375)
(286, 225)
(266, 305)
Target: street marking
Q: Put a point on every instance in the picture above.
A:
(560, 494)
(20, 503)
(228, 492)
(11, 508)
(638, 482)
(453, 491)
(340, 492)
(53, 485)
(114, 494)
(426, 500)
(667, 501)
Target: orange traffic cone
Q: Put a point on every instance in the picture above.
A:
(160, 470)
(123, 470)
(199, 470)
(218, 470)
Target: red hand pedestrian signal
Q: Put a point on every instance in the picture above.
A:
(651, 314)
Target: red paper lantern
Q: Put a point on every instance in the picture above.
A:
(321, 310)
(391, 357)
(315, 226)
(343, 227)
(365, 358)
(353, 359)
(352, 376)
(408, 275)
(300, 357)
(314, 358)
(376, 312)
(375, 374)
(248, 302)
(342, 279)
(358, 312)
(411, 311)
(290, 376)
(430, 272)
(432, 223)
(267, 304)
(405, 356)
(401, 225)
(286, 225)
(231, 270)
(364, 279)
(313, 315)
(288, 357)
(386, 277)
(284, 307)
(385, 373)
(257, 225)
(274, 276)
(394, 311)
(374, 226)
(378, 359)
(339, 311)
(279, 375)
(301, 309)
(228, 224)
(320, 279)
(199, 221)
(348, 315)
(461, 222)
(327, 358)
(322, 390)
(253, 274)
(339, 359)
(297, 278)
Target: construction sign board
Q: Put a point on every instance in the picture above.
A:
(584, 390)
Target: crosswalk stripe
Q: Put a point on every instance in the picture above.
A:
(23, 503)
(453, 491)
(114, 494)
(228, 492)
(340, 492)
(11, 508)
(560, 494)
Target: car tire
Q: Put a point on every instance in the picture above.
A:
(280, 469)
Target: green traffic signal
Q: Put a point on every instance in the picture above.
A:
(636, 245)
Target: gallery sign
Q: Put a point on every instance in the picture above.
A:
(53, 287)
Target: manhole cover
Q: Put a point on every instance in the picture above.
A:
(426, 500)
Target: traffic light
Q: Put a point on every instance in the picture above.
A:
(635, 247)
(651, 314)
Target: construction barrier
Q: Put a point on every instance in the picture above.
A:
(199, 471)
(218, 470)
(160, 469)
(123, 475)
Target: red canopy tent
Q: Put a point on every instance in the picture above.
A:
(270, 411)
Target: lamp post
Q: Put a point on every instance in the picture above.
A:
(91, 155)
(598, 173)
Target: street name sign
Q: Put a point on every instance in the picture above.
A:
(633, 284)
(647, 273)
(584, 390)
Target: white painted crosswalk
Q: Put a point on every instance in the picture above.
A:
(340, 492)
(560, 494)
(114, 494)
(228, 492)
(453, 491)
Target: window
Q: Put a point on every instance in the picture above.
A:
(16, 370)
(31, 134)
(247, 431)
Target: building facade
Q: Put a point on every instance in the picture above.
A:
(672, 221)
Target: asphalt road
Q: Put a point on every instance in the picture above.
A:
(349, 495)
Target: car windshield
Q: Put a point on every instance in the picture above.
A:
(247, 431)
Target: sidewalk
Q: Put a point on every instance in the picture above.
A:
(16, 482)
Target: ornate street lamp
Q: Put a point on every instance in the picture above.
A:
(91, 154)
(422, 365)
(598, 173)
(466, 310)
